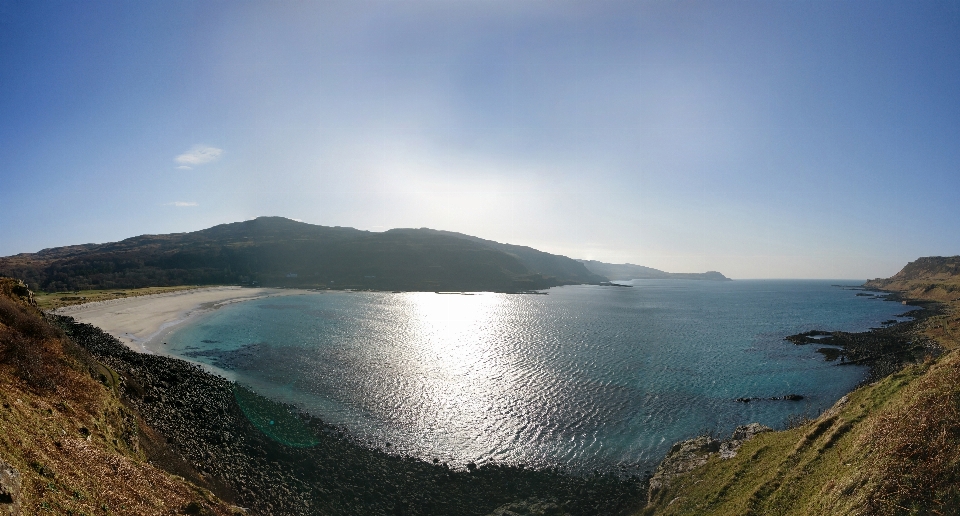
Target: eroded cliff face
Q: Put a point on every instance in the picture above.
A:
(67, 443)
(933, 278)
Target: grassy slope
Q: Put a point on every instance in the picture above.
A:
(78, 448)
(892, 447)
(54, 300)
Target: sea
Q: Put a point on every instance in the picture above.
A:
(582, 378)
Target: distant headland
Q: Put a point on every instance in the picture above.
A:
(629, 271)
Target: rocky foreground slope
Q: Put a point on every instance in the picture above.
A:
(68, 445)
(890, 447)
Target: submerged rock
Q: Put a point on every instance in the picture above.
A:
(530, 507)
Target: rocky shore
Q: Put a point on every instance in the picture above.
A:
(885, 349)
(272, 459)
(817, 465)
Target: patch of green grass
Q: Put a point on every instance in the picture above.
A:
(822, 467)
(54, 300)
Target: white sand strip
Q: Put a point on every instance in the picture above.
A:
(140, 322)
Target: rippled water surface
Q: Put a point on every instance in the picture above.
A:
(585, 377)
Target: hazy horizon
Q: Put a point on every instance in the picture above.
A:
(761, 140)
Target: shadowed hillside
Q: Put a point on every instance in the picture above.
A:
(274, 251)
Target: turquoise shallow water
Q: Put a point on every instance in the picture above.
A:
(585, 377)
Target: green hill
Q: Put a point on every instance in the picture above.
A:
(274, 251)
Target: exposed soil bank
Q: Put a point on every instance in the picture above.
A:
(216, 441)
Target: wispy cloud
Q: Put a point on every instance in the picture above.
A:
(182, 204)
(198, 155)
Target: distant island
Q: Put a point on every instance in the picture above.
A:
(629, 271)
(280, 252)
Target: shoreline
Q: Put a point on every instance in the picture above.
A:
(224, 437)
(141, 322)
(173, 423)
(885, 349)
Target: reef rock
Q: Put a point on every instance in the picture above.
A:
(682, 457)
(530, 507)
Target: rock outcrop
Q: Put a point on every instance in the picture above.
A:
(682, 457)
(10, 484)
(730, 447)
(693, 453)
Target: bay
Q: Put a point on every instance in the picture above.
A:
(584, 377)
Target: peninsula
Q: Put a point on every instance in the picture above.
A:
(629, 271)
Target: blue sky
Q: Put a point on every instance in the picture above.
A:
(806, 139)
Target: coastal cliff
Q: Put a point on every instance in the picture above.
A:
(890, 447)
(932, 278)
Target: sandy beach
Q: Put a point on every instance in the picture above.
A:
(140, 322)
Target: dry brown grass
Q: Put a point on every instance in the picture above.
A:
(915, 446)
(76, 446)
